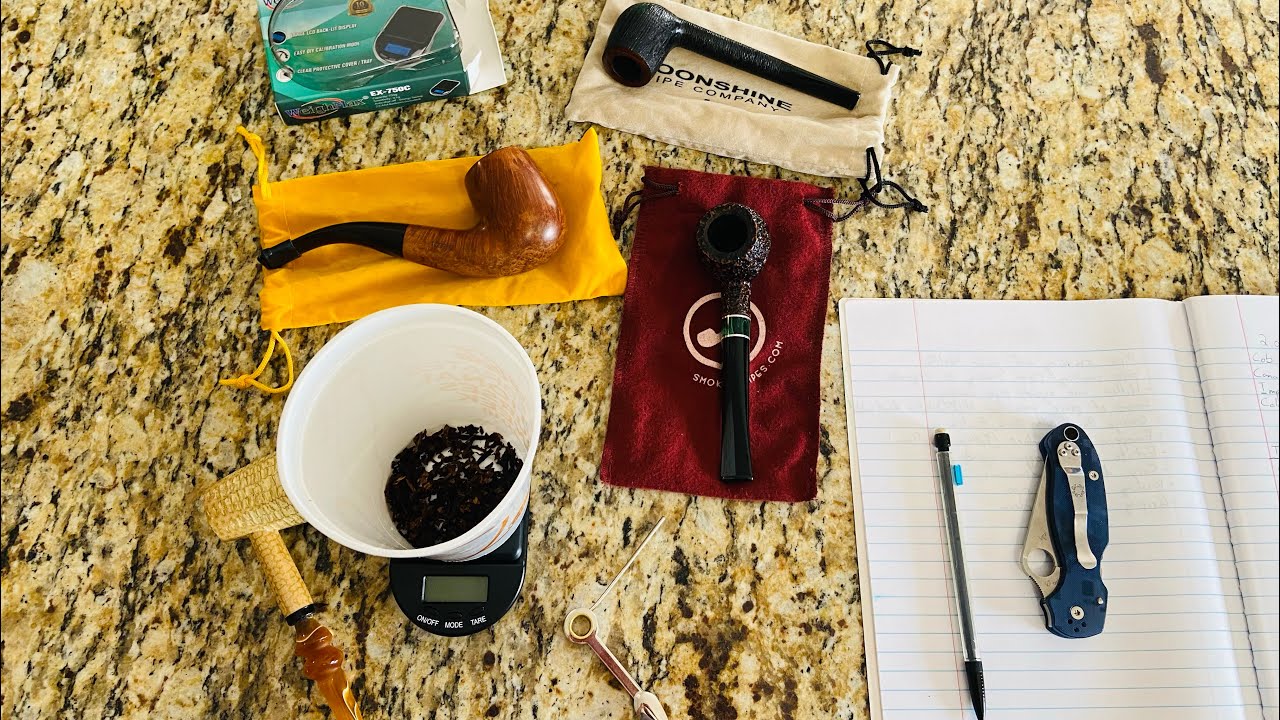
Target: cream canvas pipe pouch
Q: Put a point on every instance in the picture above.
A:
(700, 103)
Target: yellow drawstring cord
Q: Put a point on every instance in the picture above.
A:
(245, 382)
(251, 380)
(259, 152)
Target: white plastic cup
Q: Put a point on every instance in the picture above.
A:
(377, 384)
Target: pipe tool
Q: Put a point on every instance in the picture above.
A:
(581, 625)
(645, 32)
(1069, 525)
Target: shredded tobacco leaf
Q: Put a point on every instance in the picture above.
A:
(445, 483)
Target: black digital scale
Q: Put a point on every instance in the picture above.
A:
(461, 598)
(409, 32)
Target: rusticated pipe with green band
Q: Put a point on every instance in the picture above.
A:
(733, 243)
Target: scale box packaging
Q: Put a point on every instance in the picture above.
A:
(332, 58)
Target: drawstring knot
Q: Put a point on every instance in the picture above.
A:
(260, 153)
(871, 191)
(822, 207)
(885, 50)
(638, 197)
(249, 380)
(871, 195)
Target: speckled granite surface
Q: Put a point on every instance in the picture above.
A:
(1078, 150)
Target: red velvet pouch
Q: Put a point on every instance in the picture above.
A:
(664, 420)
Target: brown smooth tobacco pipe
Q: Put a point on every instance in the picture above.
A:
(521, 226)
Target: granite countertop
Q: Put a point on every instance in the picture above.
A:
(1078, 150)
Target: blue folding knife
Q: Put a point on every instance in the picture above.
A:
(1069, 524)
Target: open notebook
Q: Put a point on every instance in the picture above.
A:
(1180, 400)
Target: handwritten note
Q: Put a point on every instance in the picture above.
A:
(998, 376)
(1237, 343)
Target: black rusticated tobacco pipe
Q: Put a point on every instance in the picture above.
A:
(733, 243)
(645, 32)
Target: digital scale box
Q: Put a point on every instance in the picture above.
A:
(332, 58)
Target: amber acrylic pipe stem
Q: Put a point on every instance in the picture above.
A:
(322, 663)
(313, 642)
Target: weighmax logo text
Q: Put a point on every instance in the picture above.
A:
(719, 89)
(322, 107)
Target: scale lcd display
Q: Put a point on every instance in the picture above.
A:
(455, 588)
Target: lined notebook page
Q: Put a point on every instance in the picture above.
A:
(1237, 345)
(998, 376)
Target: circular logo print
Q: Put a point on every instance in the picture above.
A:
(709, 337)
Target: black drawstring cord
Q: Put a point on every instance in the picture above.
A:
(635, 199)
(870, 195)
(871, 192)
(888, 49)
(816, 205)
(654, 190)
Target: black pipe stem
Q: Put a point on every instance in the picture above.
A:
(717, 47)
(381, 236)
(735, 430)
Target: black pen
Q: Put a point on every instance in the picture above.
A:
(948, 478)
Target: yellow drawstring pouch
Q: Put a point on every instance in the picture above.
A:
(338, 283)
